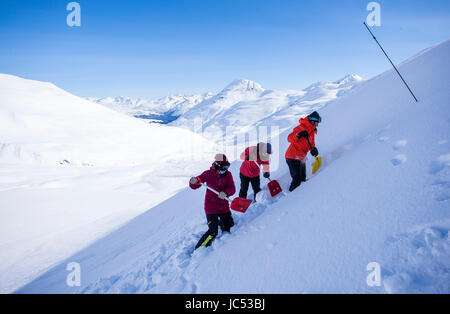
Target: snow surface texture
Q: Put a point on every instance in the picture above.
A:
(381, 196)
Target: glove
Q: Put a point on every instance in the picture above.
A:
(315, 152)
(193, 181)
(302, 134)
(267, 175)
(222, 195)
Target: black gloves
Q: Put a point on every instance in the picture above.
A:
(267, 175)
(315, 152)
(303, 134)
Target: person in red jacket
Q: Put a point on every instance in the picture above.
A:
(217, 208)
(254, 157)
(302, 141)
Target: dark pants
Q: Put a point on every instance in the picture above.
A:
(224, 221)
(245, 182)
(297, 169)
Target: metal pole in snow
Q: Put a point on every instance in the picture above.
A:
(391, 62)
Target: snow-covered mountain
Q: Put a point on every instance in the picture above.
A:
(40, 122)
(380, 198)
(163, 111)
(240, 106)
(245, 105)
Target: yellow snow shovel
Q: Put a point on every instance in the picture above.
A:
(318, 163)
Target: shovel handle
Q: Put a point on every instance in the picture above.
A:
(307, 138)
(261, 169)
(214, 191)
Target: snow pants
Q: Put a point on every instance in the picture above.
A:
(245, 183)
(297, 169)
(224, 221)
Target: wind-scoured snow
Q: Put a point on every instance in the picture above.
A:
(381, 196)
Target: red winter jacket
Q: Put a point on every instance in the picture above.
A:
(220, 183)
(300, 148)
(249, 167)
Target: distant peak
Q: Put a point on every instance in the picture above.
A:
(243, 85)
(351, 78)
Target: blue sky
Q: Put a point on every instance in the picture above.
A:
(154, 48)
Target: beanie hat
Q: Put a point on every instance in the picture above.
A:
(315, 117)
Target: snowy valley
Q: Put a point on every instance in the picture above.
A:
(97, 186)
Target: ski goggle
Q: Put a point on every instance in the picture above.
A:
(221, 167)
(319, 120)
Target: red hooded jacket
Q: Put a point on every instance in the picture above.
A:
(249, 167)
(220, 183)
(299, 148)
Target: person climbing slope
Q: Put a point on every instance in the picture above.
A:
(217, 208)
(254, 157)
(302, 141)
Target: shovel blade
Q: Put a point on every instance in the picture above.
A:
(240, 205)
(274, 188)
(317, 164)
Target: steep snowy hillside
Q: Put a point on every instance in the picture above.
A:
(381, 197)
(164, 110)
(72, 171)
(245, 105)
(42, 123)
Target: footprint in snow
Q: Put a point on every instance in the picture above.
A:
(399, 159)
(400, 144)
(440, 164)
(417, 261)
(444, 196)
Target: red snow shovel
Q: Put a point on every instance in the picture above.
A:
(238, 204)
(274, 186)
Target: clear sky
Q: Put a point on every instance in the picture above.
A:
(153, 48)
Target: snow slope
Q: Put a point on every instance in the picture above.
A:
(244, 106)
(72, 171)
(381, 196)
(41, 123)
